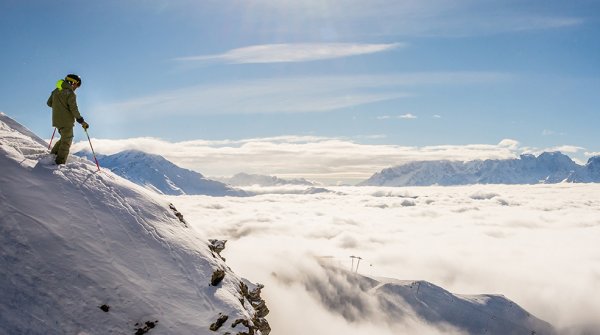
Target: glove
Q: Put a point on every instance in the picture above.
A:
(85, 125)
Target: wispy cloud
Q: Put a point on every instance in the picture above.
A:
(410, 17)
(300, 52)
(289, 95)
(407, 116)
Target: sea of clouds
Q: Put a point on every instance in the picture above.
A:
(535, 244)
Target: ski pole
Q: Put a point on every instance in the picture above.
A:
(49, 145)
(93, 153)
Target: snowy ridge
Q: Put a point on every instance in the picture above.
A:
(548, 168)
(422, 300)
(474, 314)
(162, 176)
(87, 252)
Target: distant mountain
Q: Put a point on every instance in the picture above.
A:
(548, 168)
(473, 314)
(245, 179)
(158, 174)
(403, 300)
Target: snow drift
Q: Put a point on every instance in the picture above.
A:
(88, 252)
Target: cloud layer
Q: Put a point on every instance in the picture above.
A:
(534, 244)
(328, 160)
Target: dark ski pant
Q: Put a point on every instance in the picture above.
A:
(61, 147)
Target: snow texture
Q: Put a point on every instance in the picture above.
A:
(88, 252)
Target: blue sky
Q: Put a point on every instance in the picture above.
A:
(411, 73)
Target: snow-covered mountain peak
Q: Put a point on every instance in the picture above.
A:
(138, 157)
(162, 176)
(555, 160)
(593, 163)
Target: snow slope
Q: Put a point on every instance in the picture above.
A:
(158, 174)
(73, 239)
(548, 168)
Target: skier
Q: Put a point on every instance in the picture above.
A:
(64, 114)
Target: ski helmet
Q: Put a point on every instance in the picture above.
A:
(73, 78)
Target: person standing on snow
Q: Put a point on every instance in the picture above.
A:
(64, 114)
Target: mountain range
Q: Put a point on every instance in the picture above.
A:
(160, 175)
(548, 168)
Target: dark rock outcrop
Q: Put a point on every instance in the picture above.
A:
(249, 294)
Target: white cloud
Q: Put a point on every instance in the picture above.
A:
(329, 160)
(437, 116)
(287, 95)
(566, 149)
(509, 143)
(519, 241)
(407, 116)
(299, 52)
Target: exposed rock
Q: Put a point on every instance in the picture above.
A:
(217, 277)
(263, 325)
(246, 323)
(178, 214)
(261, 309)
(105, 308)
(220, 321)
(216, 246)
(148, 325)
(258, 322)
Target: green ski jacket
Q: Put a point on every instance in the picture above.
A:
(64, 105)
